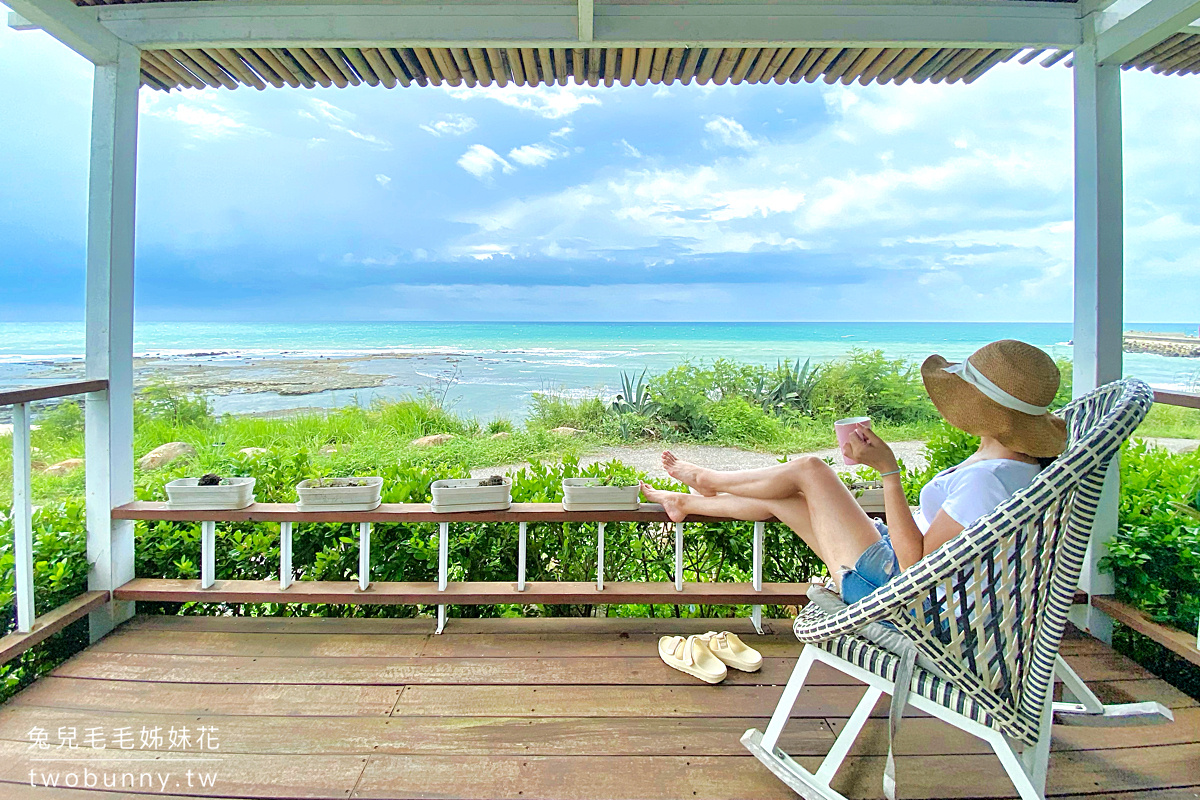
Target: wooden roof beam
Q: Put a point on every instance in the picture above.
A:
(724, 23)
(586, 24)
(1122, 39)
(75, 27)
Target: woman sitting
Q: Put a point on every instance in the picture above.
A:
(1001, 393)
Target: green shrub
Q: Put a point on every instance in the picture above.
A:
(868, 384)
(549, 411)
(736, 421)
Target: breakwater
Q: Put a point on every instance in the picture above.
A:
(1163, 344)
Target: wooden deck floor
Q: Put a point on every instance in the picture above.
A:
(513, 709)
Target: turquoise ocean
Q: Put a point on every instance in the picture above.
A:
(492, 368)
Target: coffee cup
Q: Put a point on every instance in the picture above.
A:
(843, 428)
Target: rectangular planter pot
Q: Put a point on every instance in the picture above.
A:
(187, 494)
(339, 494)
(869, 495)
(586, 494)
(465, 494)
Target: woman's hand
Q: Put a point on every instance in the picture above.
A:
(865, 447)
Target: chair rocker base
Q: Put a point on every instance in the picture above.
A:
(1112, 716)
(801, 781)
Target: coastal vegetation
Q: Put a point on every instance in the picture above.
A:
(784, 409)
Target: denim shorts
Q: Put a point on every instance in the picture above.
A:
(875, 567)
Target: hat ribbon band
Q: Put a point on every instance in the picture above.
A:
(971, 375)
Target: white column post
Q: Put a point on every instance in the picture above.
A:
(1099, 244)
(22, 518)
(110, 236)
(285, 555)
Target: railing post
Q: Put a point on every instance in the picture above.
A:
(679, 556)
(756, 573)
(208, 554)
(285, 555)
(1099, 248)
(443, 569)
(364, 555)
(521, 538)
(109, 330)
(600, 557)
(22, 511)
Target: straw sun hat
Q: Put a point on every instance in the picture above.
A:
(1002, 390)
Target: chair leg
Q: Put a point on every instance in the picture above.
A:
(1088, 710)
(783, 710)
(1015, 767)
(845, 740)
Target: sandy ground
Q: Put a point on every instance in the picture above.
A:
(648, 459)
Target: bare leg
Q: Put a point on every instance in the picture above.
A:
(767, 483)
(826, 516)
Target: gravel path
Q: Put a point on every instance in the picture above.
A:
(647, 458)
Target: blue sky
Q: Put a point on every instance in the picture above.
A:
(808, 202)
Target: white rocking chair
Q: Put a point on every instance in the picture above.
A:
(977, 624)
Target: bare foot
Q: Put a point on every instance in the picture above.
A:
(688, 473)
(672, 502)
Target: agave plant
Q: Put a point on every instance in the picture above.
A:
(635, 396)
(793, 388)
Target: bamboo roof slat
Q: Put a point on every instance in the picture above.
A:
(821, 63)
(379, 67)
(1031, 55)
(339, 62)
(1167, 53)
(273, 65)
(393, 62)
(261, 68)
(173, 68)
(233, 62)
(659, 64)
(1178, 58)
(196, 69)
(579, 66)
(729, 59)
(479, 66)
(1055, 57)
(307, 80)
(425, 59)
(545, 65)
(842, 63)
(148, 79)
(227, 78)
(628, 64)
(610, 65)
(801, 69)
(160, 78)
(562, 73)
(764, 62)
(445, 65)
(690, 64)
(1169, 43)
(962, 65)
(744, 64)
(935, 64)
(515, 66)
(593, 63)
(497, 65)
(878, 64)
(322, 61)
(901, 61)
(1011, 55)
(922, 58)
(411, 63)
(645, 63)
(675, 58)
(998, 57)
(708, 65)
(530, 67)
(864, 60)
(781, 56)
(465, 68)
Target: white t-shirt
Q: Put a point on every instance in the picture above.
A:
(967, 492)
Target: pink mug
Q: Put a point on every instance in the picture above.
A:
(842, 428)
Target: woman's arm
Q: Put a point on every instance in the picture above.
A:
(865, 447)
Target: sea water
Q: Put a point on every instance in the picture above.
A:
(491, 369)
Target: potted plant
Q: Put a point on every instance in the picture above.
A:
(869, 495)
(613, 492)
(472, 494)
(210, 492)
(339, 494)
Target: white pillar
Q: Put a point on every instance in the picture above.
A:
(109, 436)
(1098, 281)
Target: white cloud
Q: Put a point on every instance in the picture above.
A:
(565, 130)
(730, 132)
(451, 125)
(548, 102)
(337, 119)
(536, 155)
(481, 161)
(382, 179)
(629, 149)
(202, 116)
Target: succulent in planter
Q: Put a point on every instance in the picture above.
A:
(209, 479)
(495, 480)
